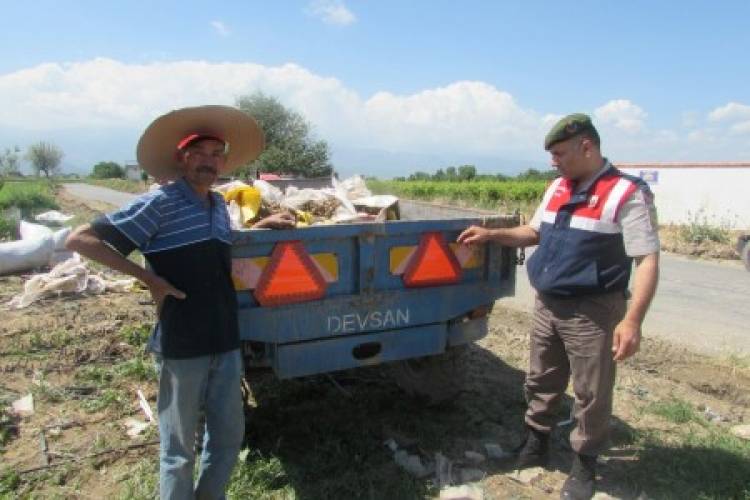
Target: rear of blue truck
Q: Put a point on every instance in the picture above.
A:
(326, 298)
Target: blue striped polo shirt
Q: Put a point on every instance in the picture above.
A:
(187, 241)
(170, 217)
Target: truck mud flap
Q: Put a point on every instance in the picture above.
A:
(341, 353)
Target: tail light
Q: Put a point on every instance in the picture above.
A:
(433, 263)
(291, 276)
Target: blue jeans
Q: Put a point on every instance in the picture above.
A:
(187, 387)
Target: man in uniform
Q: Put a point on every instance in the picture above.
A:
(593, 222)
(182, 229)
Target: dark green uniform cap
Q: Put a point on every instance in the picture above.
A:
(567, 127)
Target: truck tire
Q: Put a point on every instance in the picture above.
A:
(745, 254)
(434, 379)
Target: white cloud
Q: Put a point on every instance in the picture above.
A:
(221, 28)
(622, 114)
(114, 101)
(735, 115)
(730, 112)
(463, 116)
(332, 12)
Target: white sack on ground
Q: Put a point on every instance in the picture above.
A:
(23, 255)
(31, 231)
(53, 216)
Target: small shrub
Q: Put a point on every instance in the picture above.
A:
(699, 229)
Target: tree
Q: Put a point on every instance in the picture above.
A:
(439, 175)
(467, 172)
(9, 164)
(450, 173)
(44, 157)
(290, 147)
(533, 174)
(108, 170)
(419, 176)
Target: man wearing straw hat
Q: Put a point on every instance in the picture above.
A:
(182, 229)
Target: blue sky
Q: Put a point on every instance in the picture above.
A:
(392, 86)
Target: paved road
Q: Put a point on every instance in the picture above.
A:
(701, 304)
(97, 193)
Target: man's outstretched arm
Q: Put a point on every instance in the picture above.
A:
(520, 236)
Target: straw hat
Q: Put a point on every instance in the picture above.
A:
(157, 147)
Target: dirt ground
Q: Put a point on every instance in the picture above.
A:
(323, 437)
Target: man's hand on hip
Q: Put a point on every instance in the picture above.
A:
(160, 288)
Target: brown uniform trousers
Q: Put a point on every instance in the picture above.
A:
(574, 336)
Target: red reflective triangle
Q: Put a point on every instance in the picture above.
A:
(433, 263)
(291, 276)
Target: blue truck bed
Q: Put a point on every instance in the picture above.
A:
(360, 310)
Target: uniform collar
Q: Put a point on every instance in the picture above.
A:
(583, 188)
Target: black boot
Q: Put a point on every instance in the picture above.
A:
(580, 482)
(534, 452)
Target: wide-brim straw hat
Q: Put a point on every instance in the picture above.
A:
(157, 147)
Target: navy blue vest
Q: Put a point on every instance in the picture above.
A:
(581, 250)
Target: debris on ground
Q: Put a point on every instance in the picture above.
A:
(143, 402)
(741, 431)
(463, 492)
(69, 277)
(24, 406)
(526, 476)
(135, 427)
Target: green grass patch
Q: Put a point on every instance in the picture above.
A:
(95, 374)
(30, 197)
(9, 483)
(142, 481)
(107, 399)
(675, 411)
(259, 477)
(138, 368)
(136, 335)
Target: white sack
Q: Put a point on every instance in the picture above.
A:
(23, 255)
(53, 216)
(31, 231)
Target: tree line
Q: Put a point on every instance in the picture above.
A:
(467, 173)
